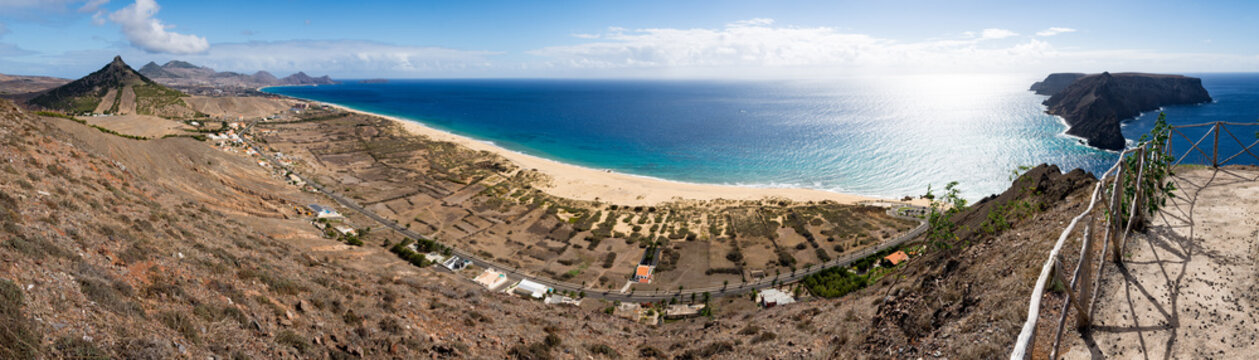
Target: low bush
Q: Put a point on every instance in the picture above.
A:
(18, 339)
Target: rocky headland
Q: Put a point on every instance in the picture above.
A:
(1055, 82)
(1094, 105)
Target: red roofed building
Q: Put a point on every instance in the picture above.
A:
(642, 274)
(896, 258)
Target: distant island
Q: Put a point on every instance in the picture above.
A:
(373, 81)
(183, 74)
(1094, 105)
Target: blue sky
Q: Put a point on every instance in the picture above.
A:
(631, 38)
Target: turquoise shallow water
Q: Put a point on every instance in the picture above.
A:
(887, 137)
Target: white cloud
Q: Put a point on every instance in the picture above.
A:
(753, 22)
(586, 36)
(92, 6)
(997, 34)
(9, 50)
(149, 34)
(4, 30)
(339, 57)
(1054, 31)
(759, 46)
(36, 4)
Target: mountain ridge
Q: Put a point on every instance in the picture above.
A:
(182, 73)
(114, 89)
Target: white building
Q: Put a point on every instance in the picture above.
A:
(455, 263)
(773, 297)
(324, 212)
(491, 279)
(345, 230)
(529, 288)
(554, 299)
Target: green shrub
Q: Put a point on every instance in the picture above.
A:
(607, 351)
(290, 338)
(109, 293)
(18, 339)
(71, 347)
(182, 323)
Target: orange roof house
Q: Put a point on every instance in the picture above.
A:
(642, 274)
(896, 258)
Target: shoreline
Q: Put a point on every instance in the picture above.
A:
(582, 183)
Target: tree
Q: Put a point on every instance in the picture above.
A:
(940, 226)
(724, 283)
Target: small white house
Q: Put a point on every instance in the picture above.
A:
(345, 230)
(324, 212)
(491, 279)
(773, 297)
(554, 299)
(529, 288)
(455, 263)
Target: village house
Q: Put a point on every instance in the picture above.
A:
(491, 279)
(553, 299)
(345, 230)
(636, 313)
(322, 212)
(529, 288)
(434, 258)
(771, 297)
(681, 311)
(296, 180)
(455, 263)
(896, 258)
(642, 274)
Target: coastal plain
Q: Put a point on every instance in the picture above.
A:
(486, 202)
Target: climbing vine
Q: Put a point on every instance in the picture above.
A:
(1153, 184)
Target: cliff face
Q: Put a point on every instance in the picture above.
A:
(1094, 105)
(1055, 82)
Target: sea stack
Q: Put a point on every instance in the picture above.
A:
(1094, 105)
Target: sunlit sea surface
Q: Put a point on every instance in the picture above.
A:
(888, 137)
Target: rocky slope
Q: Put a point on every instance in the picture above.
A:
(1094, 105)
(169, 248)
(184, 74)
(114, 89)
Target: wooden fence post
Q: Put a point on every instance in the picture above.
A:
(1215, 153)
(1112, 230)
(1082, 320)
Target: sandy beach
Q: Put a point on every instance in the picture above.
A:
(581, 183)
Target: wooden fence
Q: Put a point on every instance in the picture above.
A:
(1081, 285)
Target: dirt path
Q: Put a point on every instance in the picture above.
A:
(107, 102)
(127, 101)
(1190, 288)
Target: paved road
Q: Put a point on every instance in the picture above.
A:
(613, 295)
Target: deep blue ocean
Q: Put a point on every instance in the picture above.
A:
(887, 137)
